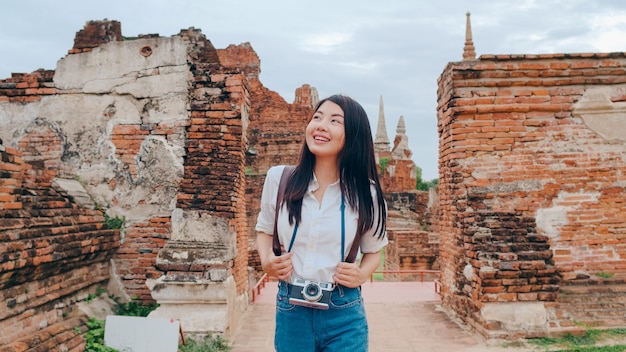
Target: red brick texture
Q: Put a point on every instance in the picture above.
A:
(511, 149)
(27, 87)
(54, 252)
(411, 250)
(214, 175)
(403, 179)
(135, 259)
(96, 33)
(51, 251)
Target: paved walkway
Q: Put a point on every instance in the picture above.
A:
(402, 317)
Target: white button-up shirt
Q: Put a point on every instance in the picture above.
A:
(317, 245)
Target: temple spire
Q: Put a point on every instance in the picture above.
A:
(381, 141)
(401, 149)
(469, 52)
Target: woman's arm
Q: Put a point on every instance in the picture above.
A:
(274, 266)
(353, 275)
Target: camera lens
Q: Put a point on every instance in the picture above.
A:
(312, 292)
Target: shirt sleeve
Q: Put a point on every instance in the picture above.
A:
(370, 242)
(265, 219)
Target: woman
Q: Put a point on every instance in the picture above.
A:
(332, 196)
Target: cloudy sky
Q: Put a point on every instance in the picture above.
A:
(364, 48)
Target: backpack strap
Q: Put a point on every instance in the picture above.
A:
(287, 171)
(354, 249)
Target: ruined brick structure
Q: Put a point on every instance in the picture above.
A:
(397, 169)
(152, 130)
(54, 246)
(175, 136)
(410, 246)
(276, 132)
(160, 132)
(532, 192)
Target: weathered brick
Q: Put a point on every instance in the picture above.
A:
(539, 108)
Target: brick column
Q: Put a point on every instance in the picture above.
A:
(531, 191)
(205, 260)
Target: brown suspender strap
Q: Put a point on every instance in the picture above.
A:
(287, 171)
(354, 249)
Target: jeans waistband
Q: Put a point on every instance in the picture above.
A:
(340, 288)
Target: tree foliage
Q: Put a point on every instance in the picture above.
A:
(422, 185)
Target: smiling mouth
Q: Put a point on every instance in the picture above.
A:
(321, 139)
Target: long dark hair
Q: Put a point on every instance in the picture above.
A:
(357, 167)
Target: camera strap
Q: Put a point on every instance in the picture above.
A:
(343, 230)
(287, 171)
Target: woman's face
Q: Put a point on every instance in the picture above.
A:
(325, 133)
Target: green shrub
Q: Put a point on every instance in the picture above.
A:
(604, 275)
(94, 338)
(115, 223)
(209, 344)
(134, 309)
(383, 162)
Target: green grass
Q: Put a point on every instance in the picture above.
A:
(614, 348)
(589, 341)
(604, 275)
(378, 277)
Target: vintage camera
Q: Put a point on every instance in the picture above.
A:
(309, 293)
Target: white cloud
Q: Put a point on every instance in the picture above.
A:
(359, 66)
(609, 32)
(325, 43)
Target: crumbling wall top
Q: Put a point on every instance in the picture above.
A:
(96, 33)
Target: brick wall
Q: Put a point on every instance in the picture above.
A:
(531, 192)
(53, 252)
(415, 202)
(411, 246)
(214, 144)
(27, 87)
(401, 179)
(135, 259)
(13, 171)
(96, 33)
(411, 250)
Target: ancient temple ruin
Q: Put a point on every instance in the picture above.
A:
(168, 136)
(154, 131)
(532, 186)
(173, 137)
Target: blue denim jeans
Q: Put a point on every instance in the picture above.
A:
(343, 327)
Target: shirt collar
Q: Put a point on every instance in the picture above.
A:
(314, 185)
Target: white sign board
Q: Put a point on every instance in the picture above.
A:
(139, 334)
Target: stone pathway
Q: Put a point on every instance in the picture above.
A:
(402, 317)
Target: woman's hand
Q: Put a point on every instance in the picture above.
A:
(274, 266)
(349, 275)
(354, 275)
(279, 267)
